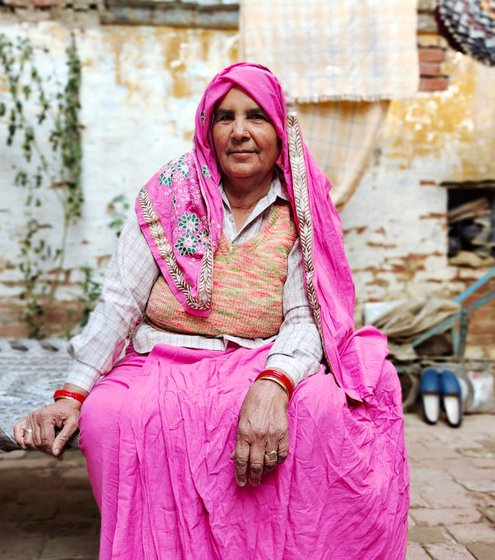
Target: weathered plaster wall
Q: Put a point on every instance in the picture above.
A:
(140, 90)
(139, 93)
(396, 222)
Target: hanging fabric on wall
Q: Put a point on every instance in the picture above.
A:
(469, 26)
(342, 136)
(321, 51)
(340, 63)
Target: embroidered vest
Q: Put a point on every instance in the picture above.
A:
(248, 286)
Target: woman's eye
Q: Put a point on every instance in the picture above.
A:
(224, 118)
(258, 117)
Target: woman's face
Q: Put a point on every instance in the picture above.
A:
(245, 140)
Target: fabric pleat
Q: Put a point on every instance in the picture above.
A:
(341, 494)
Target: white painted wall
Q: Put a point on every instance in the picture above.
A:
(139, 94)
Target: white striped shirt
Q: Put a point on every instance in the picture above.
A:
(130, 276)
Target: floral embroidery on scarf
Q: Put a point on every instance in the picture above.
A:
(205, 171)
(303, 211)
(202, 237)
(194, 234)
(189, 222)
(183, 166)
(167, 174)
(190, 236)
(186, 245)
(174, 171)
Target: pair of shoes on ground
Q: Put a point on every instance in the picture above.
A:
(441, 390)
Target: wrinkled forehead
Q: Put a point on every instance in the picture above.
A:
(234, 99)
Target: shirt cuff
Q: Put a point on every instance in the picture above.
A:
(82, 375)
(290, 366)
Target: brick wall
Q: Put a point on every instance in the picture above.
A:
(433, 76)
(432, 50)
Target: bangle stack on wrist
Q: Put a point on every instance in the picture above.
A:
(63, 394)
(279, 378)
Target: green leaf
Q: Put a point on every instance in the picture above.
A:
(21, 179)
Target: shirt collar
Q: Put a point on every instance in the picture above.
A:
(277, 190)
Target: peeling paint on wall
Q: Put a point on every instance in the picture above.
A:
(457, 122)
(396, 223)
(140, 89)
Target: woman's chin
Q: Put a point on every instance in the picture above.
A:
(241, 172)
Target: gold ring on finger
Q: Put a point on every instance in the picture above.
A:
(27, 431)
(271, 456)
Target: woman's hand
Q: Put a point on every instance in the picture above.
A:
(37, 430)
(262, 430)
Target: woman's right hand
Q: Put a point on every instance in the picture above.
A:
(37, 430)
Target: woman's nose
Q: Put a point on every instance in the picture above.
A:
(239, 129)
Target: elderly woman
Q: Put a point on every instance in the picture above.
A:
(246, 419)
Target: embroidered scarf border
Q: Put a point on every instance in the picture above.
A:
(205, 286)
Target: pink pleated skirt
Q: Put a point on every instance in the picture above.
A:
(157, 433)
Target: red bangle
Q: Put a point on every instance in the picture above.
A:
(287, 382)
(62, 394)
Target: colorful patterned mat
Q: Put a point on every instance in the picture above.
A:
(469, 26)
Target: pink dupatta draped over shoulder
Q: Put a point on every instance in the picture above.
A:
(180, 213)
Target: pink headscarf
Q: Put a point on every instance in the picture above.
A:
(180, 213)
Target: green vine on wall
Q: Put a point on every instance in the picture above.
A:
(42, 118)
(118, 208)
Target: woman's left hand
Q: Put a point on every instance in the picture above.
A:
(262, 432)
